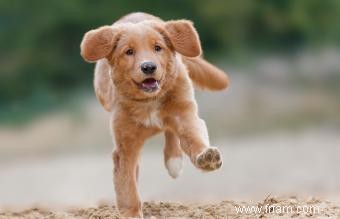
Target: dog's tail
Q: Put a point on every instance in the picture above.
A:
(205, 75)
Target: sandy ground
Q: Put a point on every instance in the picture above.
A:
(276, 166)
(277, 208)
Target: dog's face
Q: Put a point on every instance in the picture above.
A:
(141, 60)
(142, 55)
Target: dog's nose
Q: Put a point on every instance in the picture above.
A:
(148, 67)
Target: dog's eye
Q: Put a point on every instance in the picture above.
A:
(129, 52)
(158, 48)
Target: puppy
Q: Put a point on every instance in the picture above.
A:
(144, 74)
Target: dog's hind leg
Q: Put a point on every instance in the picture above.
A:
(173, 158)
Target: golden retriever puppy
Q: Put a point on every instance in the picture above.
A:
(144, 74)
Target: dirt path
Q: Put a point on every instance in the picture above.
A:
(270, 208)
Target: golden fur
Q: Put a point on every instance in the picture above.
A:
(137, 115)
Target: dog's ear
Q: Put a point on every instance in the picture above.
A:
(98, 43)
(184, 38)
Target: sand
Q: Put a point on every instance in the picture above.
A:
(223, 209)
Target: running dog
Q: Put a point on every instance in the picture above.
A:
(145, 72)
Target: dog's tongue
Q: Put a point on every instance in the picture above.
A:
(150, 84)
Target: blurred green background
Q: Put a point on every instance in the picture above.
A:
(277, 125)
(39, 40)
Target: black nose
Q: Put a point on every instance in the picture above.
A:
(148, 67)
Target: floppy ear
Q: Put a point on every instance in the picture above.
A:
(98, 43)
(184, 37)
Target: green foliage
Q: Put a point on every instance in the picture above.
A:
(39, 40)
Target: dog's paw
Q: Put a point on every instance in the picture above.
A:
(209, 160)
(130, 213)
(174, 166)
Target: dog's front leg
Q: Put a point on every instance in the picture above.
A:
(129, 139)
(125, 159)
(193, 135)
(125, 181)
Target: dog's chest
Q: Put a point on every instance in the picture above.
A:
(148, 115)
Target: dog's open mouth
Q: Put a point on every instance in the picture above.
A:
(149, 85)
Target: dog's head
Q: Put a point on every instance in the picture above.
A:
(142, 55)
